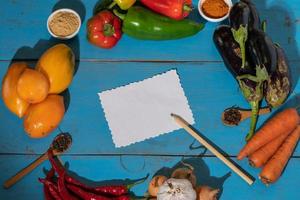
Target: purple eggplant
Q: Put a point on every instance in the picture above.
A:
(243, 17)
(239, 18)
(261, 50)
(230, 51)
(278, 86)
(254, 19)
(251, 78)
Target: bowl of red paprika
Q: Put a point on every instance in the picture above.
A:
(214, 10)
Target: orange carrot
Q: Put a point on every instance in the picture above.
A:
(274, 167)
(262, 155)
(282, 123)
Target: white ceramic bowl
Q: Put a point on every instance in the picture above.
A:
(64, 10)
(229, 3)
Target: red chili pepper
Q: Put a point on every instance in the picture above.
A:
(86, 195)
(52, 188)
(116, 190)
(123, 197)
(176, 9)
(47, 193)
(62, 189)
(113, 190)
(92, 196)
(49, 176)
(104, 29)
(57, 166)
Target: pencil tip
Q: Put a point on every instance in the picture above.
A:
(172, 115)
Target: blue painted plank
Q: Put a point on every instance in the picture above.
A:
(209, 171)
(209, 88)
(24, 35)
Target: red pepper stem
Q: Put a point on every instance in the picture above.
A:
(118, 14)
(112, 5)
(187, 8)
(108, 30)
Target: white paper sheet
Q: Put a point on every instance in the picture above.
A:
(141, 110)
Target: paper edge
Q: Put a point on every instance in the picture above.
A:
(186, 100)
(134, 83)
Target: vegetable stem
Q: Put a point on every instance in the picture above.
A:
(108, 30)
(187, 8)
(112, 5)
(118, 14)
(137, 182)
(253, 95)
(241, 36)
(264, 26)
(255, 109)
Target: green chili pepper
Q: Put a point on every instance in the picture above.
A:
(144, 24)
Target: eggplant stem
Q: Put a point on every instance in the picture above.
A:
(254, 116)
(253, 95)
(241, 36)
(264, 26)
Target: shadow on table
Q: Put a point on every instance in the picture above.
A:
(32, 54)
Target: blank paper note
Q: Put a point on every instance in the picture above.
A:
(142, 109)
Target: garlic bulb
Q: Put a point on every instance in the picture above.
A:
(176, 189)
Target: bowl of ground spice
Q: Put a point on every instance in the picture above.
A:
(64, 23)
(214, 10)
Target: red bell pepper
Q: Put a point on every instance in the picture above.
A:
(104, 29)
(176, 9)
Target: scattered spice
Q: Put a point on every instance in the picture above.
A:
(232, 116)
(64, 24)
(215, 8)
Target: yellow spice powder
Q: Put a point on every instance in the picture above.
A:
(63, 24)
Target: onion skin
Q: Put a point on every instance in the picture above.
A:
(155, 183)
(207, 193)
(185, 173)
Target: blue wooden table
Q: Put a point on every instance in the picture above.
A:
(208, 86)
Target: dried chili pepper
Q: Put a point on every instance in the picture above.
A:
(92, 196)
(48, 195)
(60, 170)
(113, 190)
(123, 197)
(85, 194)
(62, 189)
(52, 188)
(65, 182)
(116, 190)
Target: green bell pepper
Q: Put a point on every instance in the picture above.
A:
(144, 24)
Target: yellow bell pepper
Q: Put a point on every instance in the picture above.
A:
(123, 4)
